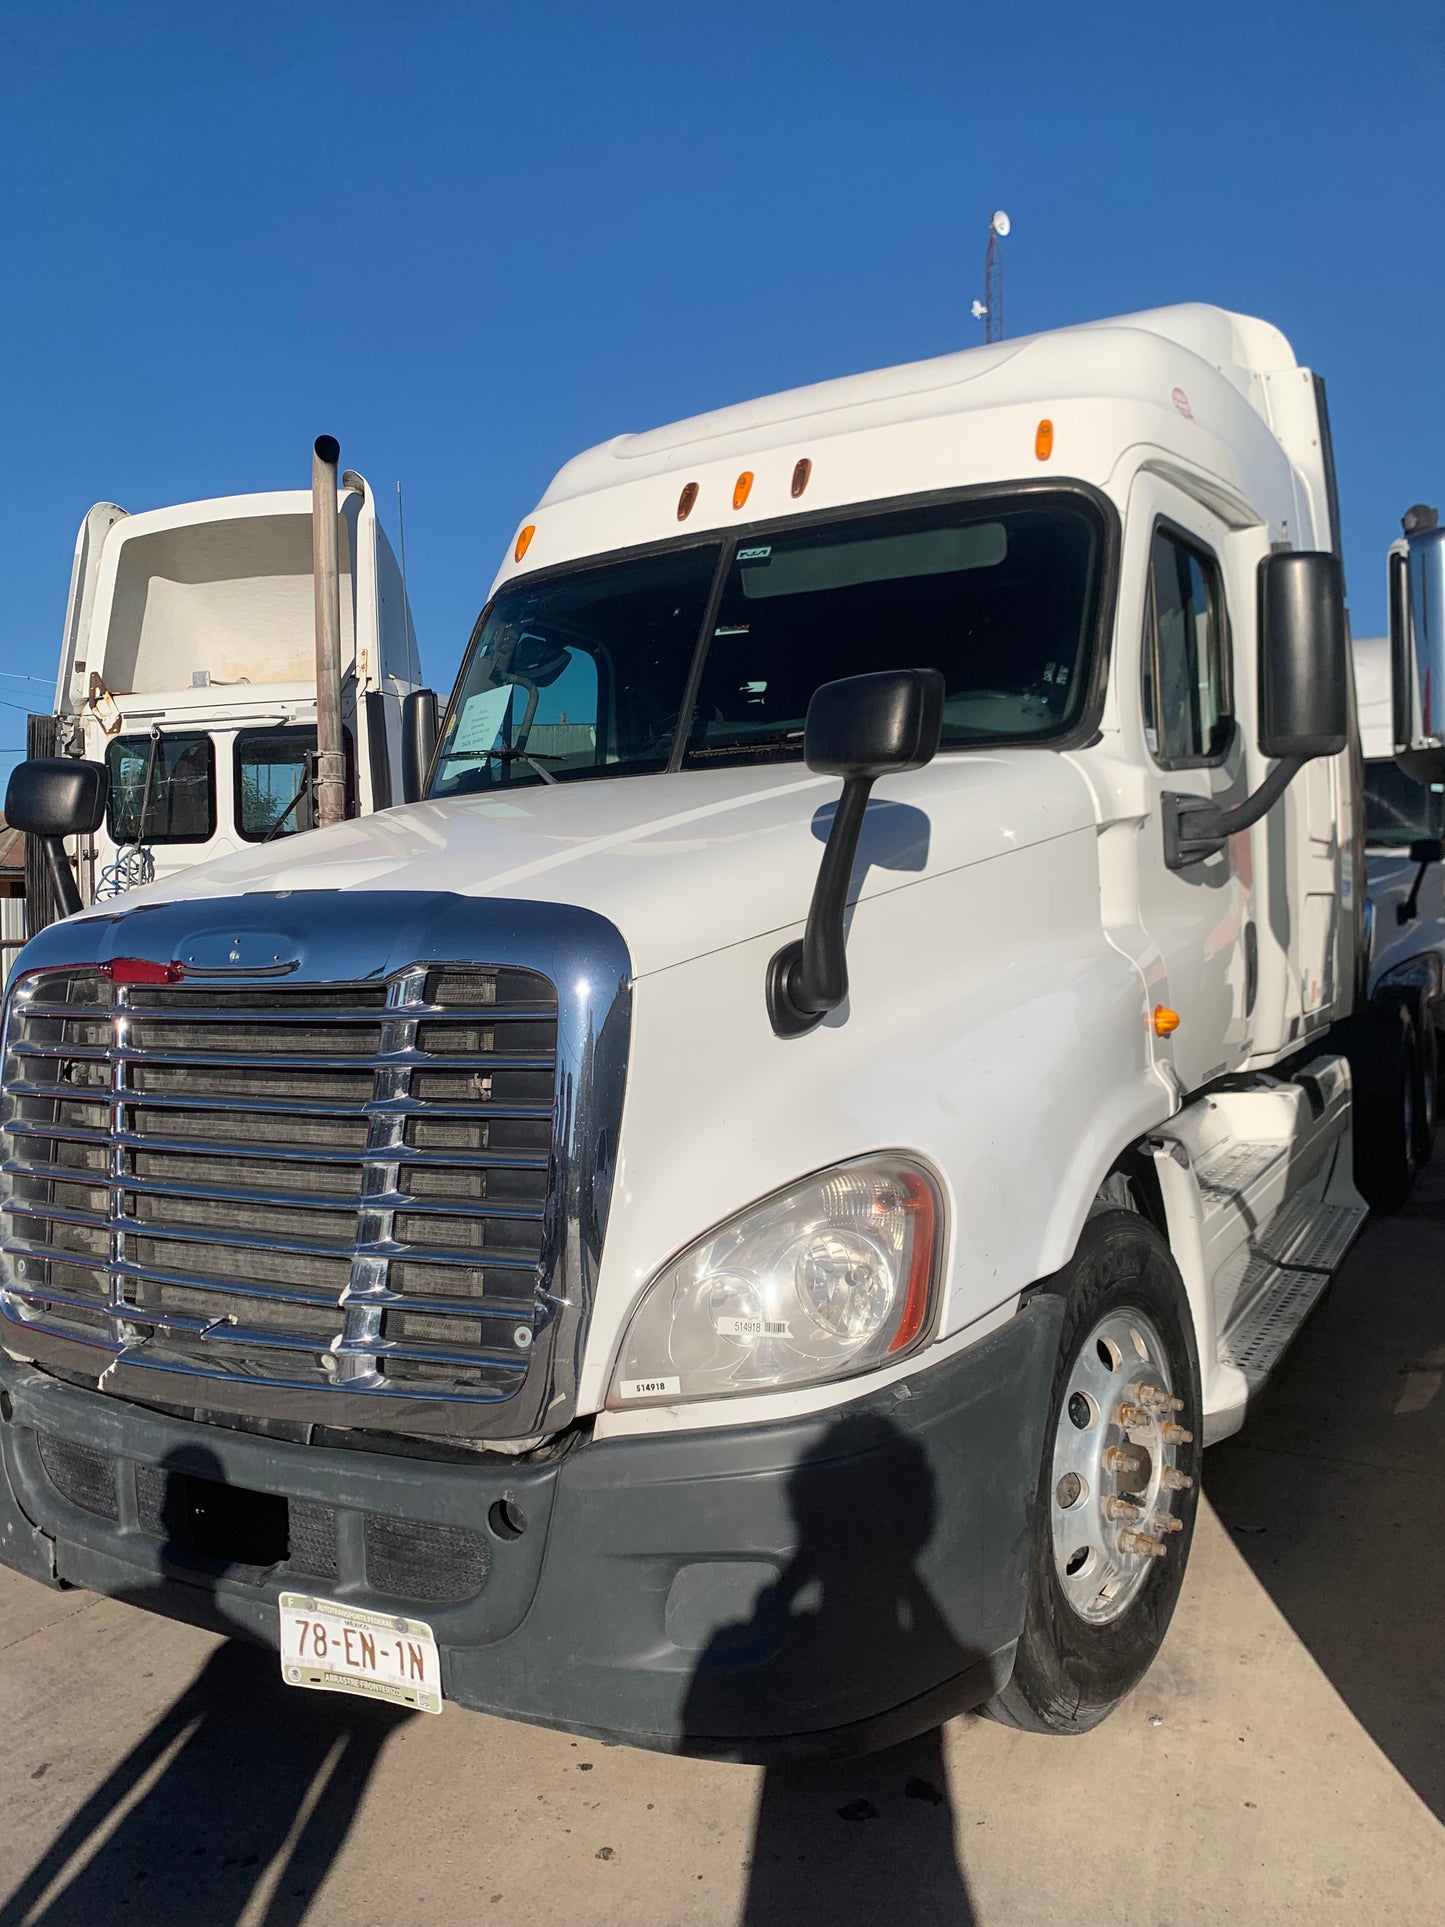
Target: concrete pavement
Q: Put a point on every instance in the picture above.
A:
(1284, 1761)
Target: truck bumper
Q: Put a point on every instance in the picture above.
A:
(830, 1583)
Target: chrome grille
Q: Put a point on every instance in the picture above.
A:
(336, 1188)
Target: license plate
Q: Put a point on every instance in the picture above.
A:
(333, 1648)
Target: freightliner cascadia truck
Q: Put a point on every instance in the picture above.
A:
(728, 1222)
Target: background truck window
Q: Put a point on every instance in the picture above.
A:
(181, 805)
(1187, 695)
(273, 795)
(1398, 810)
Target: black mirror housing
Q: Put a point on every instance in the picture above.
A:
(57, 796)
(872, 726)
(418, 742)
(1427, 849)
(1304, 655)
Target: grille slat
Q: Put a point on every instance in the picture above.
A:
(305, 1186)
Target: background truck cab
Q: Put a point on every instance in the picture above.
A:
(188, 668)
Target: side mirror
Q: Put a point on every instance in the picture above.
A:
(1304, 656)
(860, 728)
(1417, 645)
(1427, 849)
(418, 742)
(52, 797)
(1304, 698)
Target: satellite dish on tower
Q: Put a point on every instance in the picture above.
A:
(1000, 224)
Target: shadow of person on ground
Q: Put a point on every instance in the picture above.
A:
(850, 1840)
(241, 1785)
(1334, 1493)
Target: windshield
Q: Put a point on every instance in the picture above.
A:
(585, 673)
(1398, 810)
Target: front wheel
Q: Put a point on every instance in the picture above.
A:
(1118, 1489)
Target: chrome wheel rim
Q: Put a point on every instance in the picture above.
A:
(1115, 1469)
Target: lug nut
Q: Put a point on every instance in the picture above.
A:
(1173, 1434)
(1122, 1511)
(1142, 1543)
(1166, 1522)
(1124, 1465)
(1154, 1399)
(1130, 1415)
(1173, 1480)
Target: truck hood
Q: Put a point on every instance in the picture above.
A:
(681, 864)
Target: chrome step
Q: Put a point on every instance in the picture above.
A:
(1234, 1166)
(1280, 1297)
(1310, 1236)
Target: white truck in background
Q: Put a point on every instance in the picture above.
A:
(729, 1222)
(188, 668)
(1405, 905)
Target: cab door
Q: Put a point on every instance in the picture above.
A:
(1200, 917)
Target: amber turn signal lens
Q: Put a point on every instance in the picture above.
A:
(742, 488)
(1044, 440)
(1166, 1021)
(524, 541)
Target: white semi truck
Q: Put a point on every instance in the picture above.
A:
(188, 667)
(729, 1223)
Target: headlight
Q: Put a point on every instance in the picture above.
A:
(831, 1276)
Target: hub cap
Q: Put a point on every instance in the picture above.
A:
(1115, 1470)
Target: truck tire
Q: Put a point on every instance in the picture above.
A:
(1427, 1070)
(1383, 1047)
(1102, 1587)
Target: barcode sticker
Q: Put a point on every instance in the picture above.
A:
(651, 1387)
(754, 1328)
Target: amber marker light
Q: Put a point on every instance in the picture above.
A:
(1044, 440)
(800, 477)
(920, 1261)
(686, 501)
(1166, 1021)
(524, 541)
(742, 488)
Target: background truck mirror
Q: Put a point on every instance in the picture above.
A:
(418, 742)
(1417, 646)
(1304, 655)
(52, 797)
(859, 728)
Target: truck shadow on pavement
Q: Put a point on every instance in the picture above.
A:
(242, 1786)
(845, 1841)
(1334, 1493)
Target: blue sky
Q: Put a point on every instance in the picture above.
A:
(469, 240)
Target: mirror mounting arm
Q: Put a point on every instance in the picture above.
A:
(1196, 828)
(62, 878)
(809, 977)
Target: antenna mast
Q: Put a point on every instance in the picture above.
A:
(990, 309)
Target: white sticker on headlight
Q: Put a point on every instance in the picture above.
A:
(650, 1387)
(753, 1328)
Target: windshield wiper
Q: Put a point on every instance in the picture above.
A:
(758, 743)
(507, 754)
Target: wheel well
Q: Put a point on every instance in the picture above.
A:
(1132, 1185)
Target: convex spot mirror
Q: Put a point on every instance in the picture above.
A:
(1304, 656)
(56, 796)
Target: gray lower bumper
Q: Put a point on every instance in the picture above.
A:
(825, 1583)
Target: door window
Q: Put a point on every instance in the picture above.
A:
(1188, 701)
